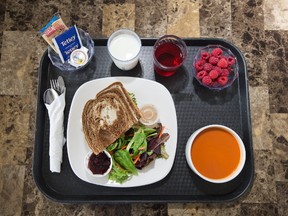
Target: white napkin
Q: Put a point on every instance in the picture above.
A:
(56, 139)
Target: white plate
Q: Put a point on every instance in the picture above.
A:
(146, 92)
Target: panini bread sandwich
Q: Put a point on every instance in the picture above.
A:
(111, 113)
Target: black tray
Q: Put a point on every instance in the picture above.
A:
(195, 107)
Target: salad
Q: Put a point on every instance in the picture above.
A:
(135, 149)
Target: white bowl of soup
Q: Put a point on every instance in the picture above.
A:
(215, 153)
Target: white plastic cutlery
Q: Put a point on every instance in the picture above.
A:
(55, 104)
(58, 85)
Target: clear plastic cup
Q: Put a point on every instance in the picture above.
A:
(170, 53)
(87, 42)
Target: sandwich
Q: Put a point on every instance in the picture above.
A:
(106, 117)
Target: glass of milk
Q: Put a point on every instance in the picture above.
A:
(124, 47)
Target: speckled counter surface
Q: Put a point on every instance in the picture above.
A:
(258, 28)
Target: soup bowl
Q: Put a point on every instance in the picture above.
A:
(215, 153)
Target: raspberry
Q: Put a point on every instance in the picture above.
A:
(205, 55)
(217, 52)
(206, 80)
(217, 69)
(223, 57)
(231, 60)
(224, 72)
(199, 65)
(207, 67)
(213, 74)
(213, 60)
(222, 80)
(201, 74)
(222, 63)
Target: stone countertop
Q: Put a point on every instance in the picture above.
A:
(257, 28)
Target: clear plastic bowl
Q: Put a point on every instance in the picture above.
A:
(87, 42)
(233, 75)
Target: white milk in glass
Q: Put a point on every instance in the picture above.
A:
(124, 47)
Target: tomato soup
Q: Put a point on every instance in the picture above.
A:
(215, 153)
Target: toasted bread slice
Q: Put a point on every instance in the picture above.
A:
(109, 115)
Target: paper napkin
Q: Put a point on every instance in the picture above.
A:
(56, 138)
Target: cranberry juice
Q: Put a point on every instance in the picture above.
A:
(169, 56)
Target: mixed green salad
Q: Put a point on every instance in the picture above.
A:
(136, 149)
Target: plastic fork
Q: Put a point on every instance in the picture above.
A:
(55, 85)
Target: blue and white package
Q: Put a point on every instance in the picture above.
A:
(67, 42)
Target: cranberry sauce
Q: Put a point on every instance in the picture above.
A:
(99, 164)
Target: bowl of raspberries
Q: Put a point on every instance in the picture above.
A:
(215, 67)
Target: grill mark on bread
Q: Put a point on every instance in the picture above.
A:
(101, 128)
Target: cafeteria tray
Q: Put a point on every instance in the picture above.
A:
(195, 106)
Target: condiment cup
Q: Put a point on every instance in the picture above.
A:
(191, 164)
(86, 161)
(124, 47)
(150, 116)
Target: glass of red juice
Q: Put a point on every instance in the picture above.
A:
(170, 53)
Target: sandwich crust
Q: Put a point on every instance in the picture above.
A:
(109, 115)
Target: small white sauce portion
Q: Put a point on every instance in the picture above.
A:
(149, 115)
